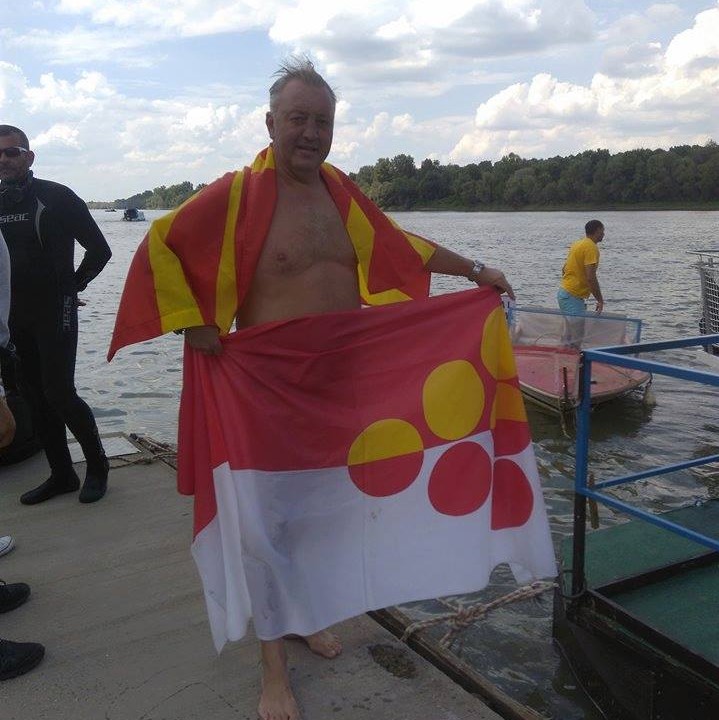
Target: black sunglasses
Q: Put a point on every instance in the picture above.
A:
(12, 152)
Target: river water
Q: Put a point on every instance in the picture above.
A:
(646, 272)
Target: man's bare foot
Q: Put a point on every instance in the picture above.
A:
(322, 643)
(277, 701)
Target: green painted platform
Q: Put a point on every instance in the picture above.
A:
(684, 606)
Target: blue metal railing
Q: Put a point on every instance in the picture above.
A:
(583, 491)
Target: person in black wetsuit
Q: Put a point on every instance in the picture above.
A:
(40, 221)
(16, 658)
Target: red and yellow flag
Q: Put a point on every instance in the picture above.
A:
(195, 265)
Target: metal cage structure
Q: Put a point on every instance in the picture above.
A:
(708, 267)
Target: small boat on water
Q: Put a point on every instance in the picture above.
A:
(133, 215)
(708, 266)
(636, 602)
(547, 345)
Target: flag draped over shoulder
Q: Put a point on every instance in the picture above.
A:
(339, 460)
(195, 265)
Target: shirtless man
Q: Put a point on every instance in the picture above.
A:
(308, 265)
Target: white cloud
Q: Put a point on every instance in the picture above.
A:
(632, 60)
(544, 100)
(129, 142)
(57, 136)
(344, 150)
(353, 36)
(177, 17)
(678, 99)
(698, 44)
(82, 45)
(12, 83)
(399, 28)
(461, 80)
(342, 110)
(129, 32)
(633, 47)
(510, 28)
(379, 125)
(664, 12)
(402, 123)
(89, 93)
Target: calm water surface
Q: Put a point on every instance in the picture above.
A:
(645, 272)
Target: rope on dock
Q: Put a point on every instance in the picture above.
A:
(144, 459)
(154, 450)
(463, 616)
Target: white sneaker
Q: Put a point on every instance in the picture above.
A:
(6, 544)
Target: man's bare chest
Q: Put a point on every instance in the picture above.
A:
(301, 237)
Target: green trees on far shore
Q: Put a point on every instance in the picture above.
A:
(685, 176)
(161, 198)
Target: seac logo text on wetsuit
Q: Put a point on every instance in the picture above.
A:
(17, 217)
(68, 304)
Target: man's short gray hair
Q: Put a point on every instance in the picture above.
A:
(298, 68)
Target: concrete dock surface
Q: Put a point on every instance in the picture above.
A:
(117, 602)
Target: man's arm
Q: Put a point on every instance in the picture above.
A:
(4, 292)
(85, 230)
(446, 262)
(593, 282)
(7, 421)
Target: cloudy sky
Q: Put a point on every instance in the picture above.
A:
(122, 96)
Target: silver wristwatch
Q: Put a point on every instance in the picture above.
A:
(477, 268)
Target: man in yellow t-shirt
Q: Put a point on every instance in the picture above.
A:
(579, 274)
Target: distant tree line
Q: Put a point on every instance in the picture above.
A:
(161, 198)
(683, 176)
(686, 175)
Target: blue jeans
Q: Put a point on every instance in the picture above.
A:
(570, 304)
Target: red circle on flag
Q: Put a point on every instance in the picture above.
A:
(510, 437)
(512, 497)
(388, 476)
(461, 479)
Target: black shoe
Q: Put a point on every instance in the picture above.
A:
(18, 658)
(95, 485)
(12, 595)
(50, 488)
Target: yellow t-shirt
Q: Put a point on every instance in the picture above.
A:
(574, 275)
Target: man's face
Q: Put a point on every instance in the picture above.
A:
(14, 169)
(301, 128)
(598, 235)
